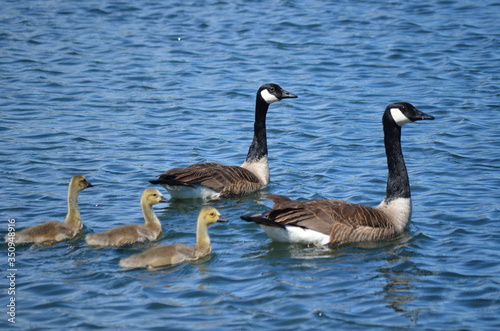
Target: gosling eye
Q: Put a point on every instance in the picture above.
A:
(155, 195)
(212, 214)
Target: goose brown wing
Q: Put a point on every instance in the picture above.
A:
(229, 180)
(325, 215)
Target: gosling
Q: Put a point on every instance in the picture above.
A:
(52, 232)
(177, 253)
(132, 233)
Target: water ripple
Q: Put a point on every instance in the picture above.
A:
(123, 91)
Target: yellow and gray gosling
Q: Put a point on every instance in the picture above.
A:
(216, 181)
(329, 221)
(52, 232)
(132, 233)
(177, 253)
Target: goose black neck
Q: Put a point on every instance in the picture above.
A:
(398, 183)
(258, 148)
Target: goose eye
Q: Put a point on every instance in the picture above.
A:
(271, 89)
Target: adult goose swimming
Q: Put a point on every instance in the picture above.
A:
(51, 231)
(329, 221)
(215, 181)
(132, 233)
(177, 253)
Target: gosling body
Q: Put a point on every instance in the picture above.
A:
(133, 233)
(52, 231)
(178, 253)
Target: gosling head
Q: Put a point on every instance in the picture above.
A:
(152, 196)
(80, 182)
(210, 215)
(273, 92)
(403, 113)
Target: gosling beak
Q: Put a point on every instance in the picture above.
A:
(222, 220)
(89, 185)
(163, 199)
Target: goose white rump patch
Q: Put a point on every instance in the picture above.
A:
(295, 234)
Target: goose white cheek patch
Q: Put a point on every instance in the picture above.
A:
(399, 117)
(268, 97)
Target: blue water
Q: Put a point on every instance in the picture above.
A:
(123, 90)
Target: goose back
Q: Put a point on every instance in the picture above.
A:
(218, 180)
(340, 220)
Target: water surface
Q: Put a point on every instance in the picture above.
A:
(121, 91)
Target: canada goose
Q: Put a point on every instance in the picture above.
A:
(215, 181)
(328, 221)
(132, 233)
(177, 253)
(52, 231)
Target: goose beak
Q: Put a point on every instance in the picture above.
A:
(285, 94)
(421, 116)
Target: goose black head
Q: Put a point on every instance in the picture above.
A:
(273, 92)
(403, 113)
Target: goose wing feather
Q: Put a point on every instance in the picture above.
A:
(232, 180)
(341, 220)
